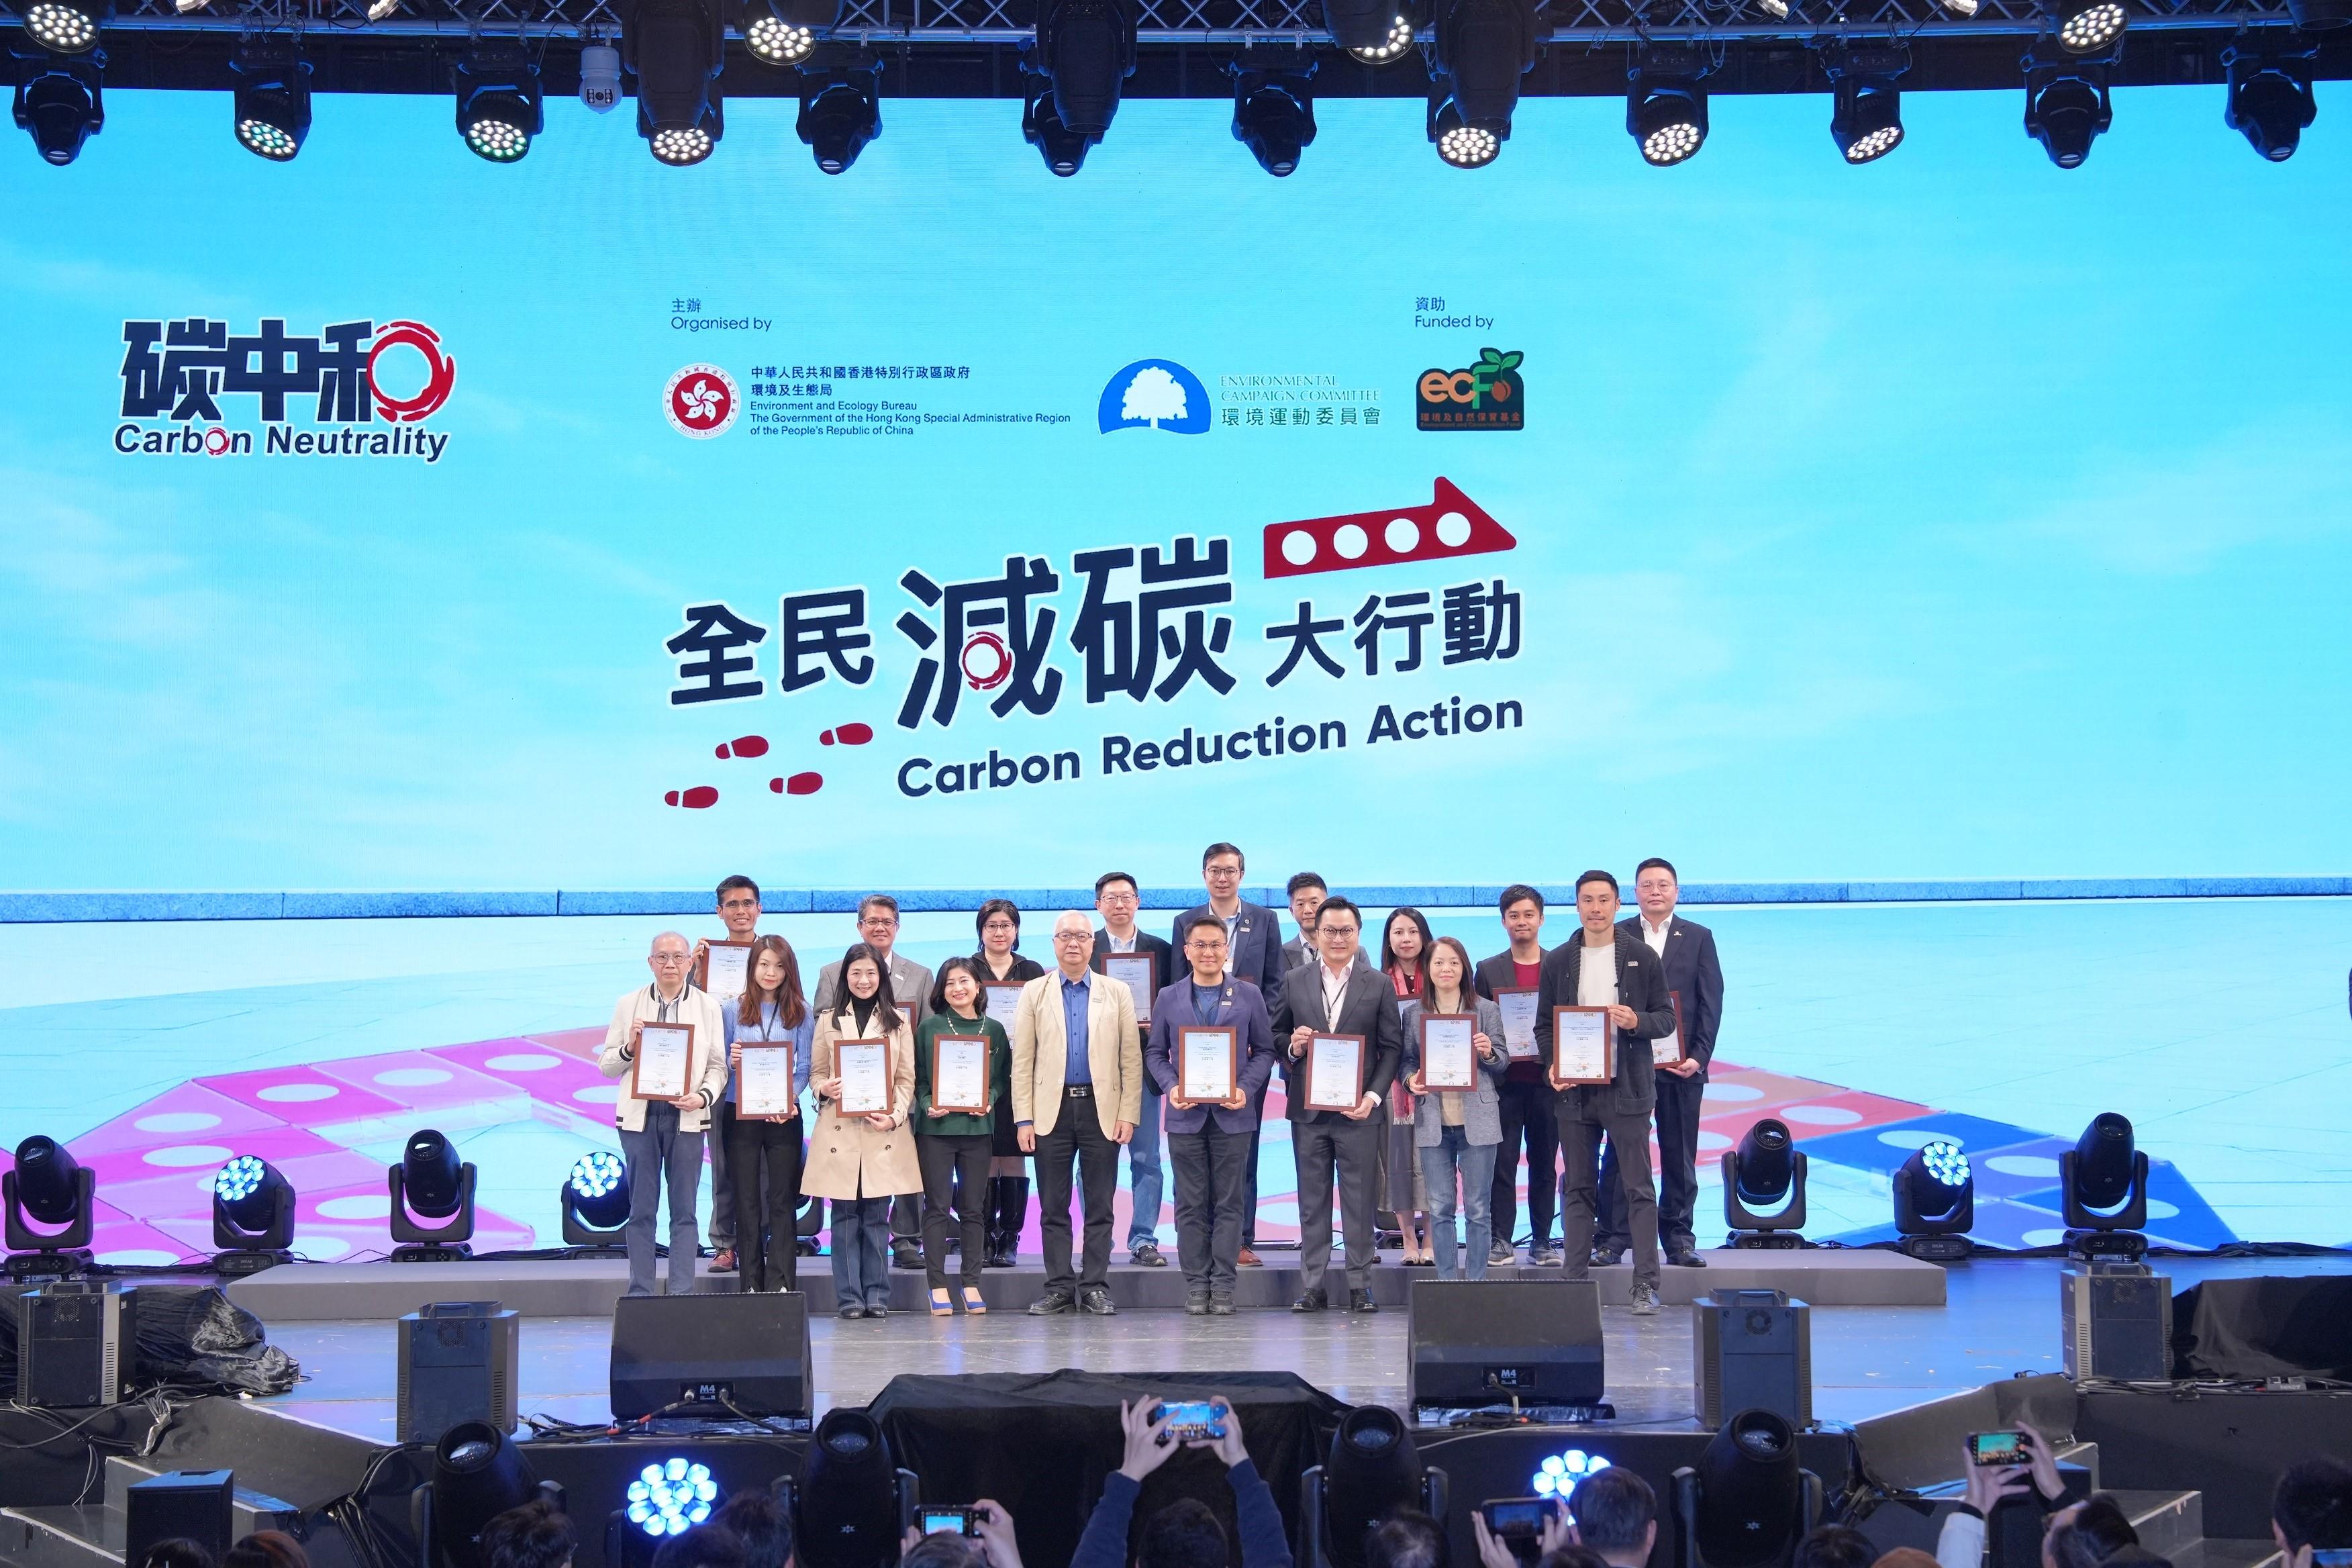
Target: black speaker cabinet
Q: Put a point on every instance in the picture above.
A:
(75, 1344)
(191, 1504)
(1752, 1350)
(1477, 1342)
(459, 1362)
(2118, 1320)
(721, 1353)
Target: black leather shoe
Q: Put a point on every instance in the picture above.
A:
(1221, 1306)
(1602, 1257)
(1052, 1304)
(1148, 1256)
(1687, 1257)
(1096, 1300)
(1362, 1302)
(1309, 1301)
(905, 1253)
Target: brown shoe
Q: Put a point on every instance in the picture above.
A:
(1249, 1259)
(725, 1262)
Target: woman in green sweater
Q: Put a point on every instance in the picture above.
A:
(948, 1142)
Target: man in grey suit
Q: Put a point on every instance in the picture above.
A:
(1334, 997)
(910, 988)
(1308, 893)
(1253, 953)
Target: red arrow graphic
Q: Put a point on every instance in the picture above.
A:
(1452, 524)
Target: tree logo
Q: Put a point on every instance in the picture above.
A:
(1489, 396)
(701, 401)
(1155, 395)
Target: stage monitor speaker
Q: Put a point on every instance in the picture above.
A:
(1752, 1350)
(2118, 1323)
(192, 1505)
(1479, 1342)
(722, 1353)
(459, 1362)
(77, 1343)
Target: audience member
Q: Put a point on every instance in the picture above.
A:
(1616, 1515)
(1961, 1543)
(1406, 1539)
(704, 1546)
(992, 1546)
(2086, 1534)
(758, 1519)
(535, 1535)
(1901, 1557)
(1835, 1546)
(1182, 1542)
(176, 1552)
(1571, 1556)
(2311, 1510)
(266, 1549)
(1552, 1545)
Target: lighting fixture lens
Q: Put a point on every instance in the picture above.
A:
(1467, 147)
(1876, 144)
(269, 140)
(497, 141)
(1399, 40)
(1945, 1163)
(1557, 1475)
(60, 28)
(778, 42)
(595, 1173)
(241, 1176)
(1671, 143)
(691, 145)
(2092, 29)
(671, 1498)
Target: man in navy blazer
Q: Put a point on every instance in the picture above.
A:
(1253, 943)
(1209, 1141)
(1695, 977)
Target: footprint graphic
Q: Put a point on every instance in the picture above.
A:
(694, 799)
(799, 784)
(846, 735)
(744, 746)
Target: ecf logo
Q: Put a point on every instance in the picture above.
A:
(1487, 395)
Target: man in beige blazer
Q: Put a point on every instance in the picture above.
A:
(661, 1140)
(1077, 1090)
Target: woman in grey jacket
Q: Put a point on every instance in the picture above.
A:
(1456, 1133)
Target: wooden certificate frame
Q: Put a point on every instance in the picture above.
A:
(1608, 1051)
(937, 1103)
(1430, 1084)
(749, 1047)
(637, 1065)
(1316, 1099)
(702, 967)
(1232, 1062)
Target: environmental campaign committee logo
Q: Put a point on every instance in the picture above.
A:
(367, 388)
(1154, 394)
(1489, 396)
(701, 401)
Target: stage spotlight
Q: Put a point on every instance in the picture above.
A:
(1063, 150)
(478, 1473)
(672, 1497)
(676, 50)
(840, 111)
(1559, 1473)
(1666, 107)
(253, 1217)
(595, 1201)
(431, 1180)
(1374, 1469)
(59, 104)
(1776, 9)
(2104, 1180)
(1483, 47)
(1934, 1202)
(777, 42)
(850, 1498)
(69, 26)
(2318, 16)
(500, 109)
(1748, 1503)
(1764, 1188)
(1866, 120)
(272, 99)
(2089, 26)
(1085, 48)
(1464, 146)
(2067, 108)
(47, 1187)
(2270, 101)
(1274, 116)
(1391, 48)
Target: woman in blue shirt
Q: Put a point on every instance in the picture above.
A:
(771, 1011)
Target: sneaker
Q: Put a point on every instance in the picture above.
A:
(1147, 1255)
(1605, 1256)
(1544, 1257)
(1643, 1299)
(1196, 1306)
(1501, 1252)
(1221, 1306)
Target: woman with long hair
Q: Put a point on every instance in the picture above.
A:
(771, 1011)
(860, 1163)
(953, 1146)
(1404, 950)
(999, 961)
(1456, 1133)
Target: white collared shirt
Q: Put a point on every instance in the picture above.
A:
(1655, 936)
(1118, 944)
(1334, 997)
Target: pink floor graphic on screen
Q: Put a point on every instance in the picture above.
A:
(696, 799)
(846, 735)
(742, 746)
(799, 784)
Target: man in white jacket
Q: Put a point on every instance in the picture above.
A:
(661, 1140)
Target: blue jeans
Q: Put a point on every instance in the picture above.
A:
(1144, 1179)
(861, 1251)
(1475, 1164)
(661, 1157)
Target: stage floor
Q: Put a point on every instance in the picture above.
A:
(2001, 1317)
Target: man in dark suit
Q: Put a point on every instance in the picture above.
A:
(1333, 997)
(1604, 967)
(1116, 898)
(1526, 1101)
(1209, 1141)
(1695, 977)
(1308, 893)
(1253, 943)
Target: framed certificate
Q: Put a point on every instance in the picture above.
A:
(726, 970)
(1584, 1046)
(1334, 1072)
(1208, 1063)
(864, 1068)
(1667, 1050)
(763, 1082)
(1004, 1001)
(960, 1073)
(665, 1065)
(1138, 971)
(1519, 1024)
(1449, 1062)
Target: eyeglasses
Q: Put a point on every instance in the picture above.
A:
(879, 922)
(1205, 948)
(740, 904)
(1116, 898)
(668, 957)
(1073, 936)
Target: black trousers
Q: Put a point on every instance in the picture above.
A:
(1679, 1101)
(765, 1154)
(1077, 1139)
(1211, 1178)
(1249, 1188)
(1529, 1119)
(1329, 1146)
(941, 1158)
(1581, 1131)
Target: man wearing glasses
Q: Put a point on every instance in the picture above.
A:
(1253, 953)
(1115, 899)
(661, 1140)
(738, 907)
(1077, 1088)
(910, 988)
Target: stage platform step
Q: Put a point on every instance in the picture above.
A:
(587, 1287)
(68, 1535)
